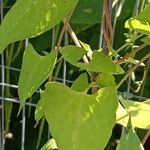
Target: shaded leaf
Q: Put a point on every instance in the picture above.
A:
(81, 83)
(99, 62)
(106, 80)
(39, 112)
(87, 12)
(129, 140)
(76, 118)
(127, 9)
(29, 18)
(146, 40)
(35, 70)
(145, 15)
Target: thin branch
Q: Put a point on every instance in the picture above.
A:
(143, 79)
(61, 36)
(108, 20)
(133, 69)
(133, 52)
(75, 39)
(146, 137)
(128, 43)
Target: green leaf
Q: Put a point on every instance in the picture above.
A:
(127, 9)
(129, 140)
(81, 83)
(79, 121)
(99, 63)
(39, 112)
(50, 145)
(140, 113)
(35, 70)
(138, 25)
(87, 12)
(145, 15)
(106, 80)
(72, 53)
(29, 18)
(146, 40)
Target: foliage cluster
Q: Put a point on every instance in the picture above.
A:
(81, 115)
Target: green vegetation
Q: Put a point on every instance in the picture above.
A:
(81, 115)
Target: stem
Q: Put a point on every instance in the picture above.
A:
(146, 137)
(75, 39)
(144, 81)
(8, 105)
(18, 50)
(128, 43)
(133, 69)
(40, 133)
(133, 52)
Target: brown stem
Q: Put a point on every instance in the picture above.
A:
(133, 52)
(143, 79)
(75, 39)
(108, 19)
(61, 36)
(132, 69)
(146, 137)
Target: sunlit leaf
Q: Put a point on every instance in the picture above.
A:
(29, 18)
(79, 121)
(138, 25)
(140, 113)
(35, 70)
(99, 62)
(50, 145)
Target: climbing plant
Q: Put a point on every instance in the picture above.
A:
(80, 116)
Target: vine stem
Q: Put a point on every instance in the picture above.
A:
(128, 43)
(133, 52)
(74, 38)
(146, 137)
(133, 69)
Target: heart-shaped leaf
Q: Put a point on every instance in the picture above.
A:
(78, 121)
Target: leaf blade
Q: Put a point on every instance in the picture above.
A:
(42, 16)
(77, 116)
(34, 65)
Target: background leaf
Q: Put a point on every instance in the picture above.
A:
(87, 12)
(140, 113)
(145, 15)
